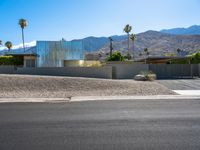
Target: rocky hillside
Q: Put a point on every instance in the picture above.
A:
(159, 44)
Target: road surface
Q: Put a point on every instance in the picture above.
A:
(102, 125)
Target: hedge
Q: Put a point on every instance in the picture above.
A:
(10, 60)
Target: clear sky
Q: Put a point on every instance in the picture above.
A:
(73, 19)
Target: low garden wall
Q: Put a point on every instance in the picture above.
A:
(199, 70)
(90, 72)
(7, 69)
(127, 71)
(168, 71)
(163, 71)
(112, 71)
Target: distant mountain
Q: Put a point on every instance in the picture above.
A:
(92, 44)
(158, 44)
(193, 30)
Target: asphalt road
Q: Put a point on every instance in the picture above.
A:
(102, 125)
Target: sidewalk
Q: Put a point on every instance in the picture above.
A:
(99, 98)
(188, 92)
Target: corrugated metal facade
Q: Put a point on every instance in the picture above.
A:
(53, 53)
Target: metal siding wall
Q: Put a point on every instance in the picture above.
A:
(53, 53)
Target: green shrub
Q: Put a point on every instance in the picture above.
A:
(193, 59)
(10, 60)
(117, 56)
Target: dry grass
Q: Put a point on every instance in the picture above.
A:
(22, 86)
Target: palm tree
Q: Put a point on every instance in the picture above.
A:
(0, 42)
(133, 38)
(8, 44)
(23, 23)
(128, 29)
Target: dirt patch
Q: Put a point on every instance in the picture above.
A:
(22, 86)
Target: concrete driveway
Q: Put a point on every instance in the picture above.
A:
(183, 86)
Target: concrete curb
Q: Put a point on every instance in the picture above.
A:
(157, 97)
(97, 98)
(34, 100)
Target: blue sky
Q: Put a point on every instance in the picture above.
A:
(73, 19)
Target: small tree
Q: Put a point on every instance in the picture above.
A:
(117, 56)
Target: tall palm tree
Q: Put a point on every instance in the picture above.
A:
(9, 45)
(23, 23)
(128, 29)
(133, 38)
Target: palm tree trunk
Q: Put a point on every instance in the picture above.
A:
(23, 39)
(111, 48)
(128, 44)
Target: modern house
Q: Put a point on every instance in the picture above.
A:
(50, 53)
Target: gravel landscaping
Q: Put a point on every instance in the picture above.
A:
(24, 86)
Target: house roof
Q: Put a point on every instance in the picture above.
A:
(161, 58)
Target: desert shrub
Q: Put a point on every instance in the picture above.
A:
(149, 75)
(117, 56)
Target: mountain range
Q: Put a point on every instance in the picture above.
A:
(158, 42)
(193, 30)
(162, 42)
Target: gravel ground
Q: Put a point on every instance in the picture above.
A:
(24, 86)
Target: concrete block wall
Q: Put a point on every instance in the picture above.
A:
(111, 71)
(168, 71)
(199, 70)
(127, 71)
(7, 69)
(163, 71)
(90, 72)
